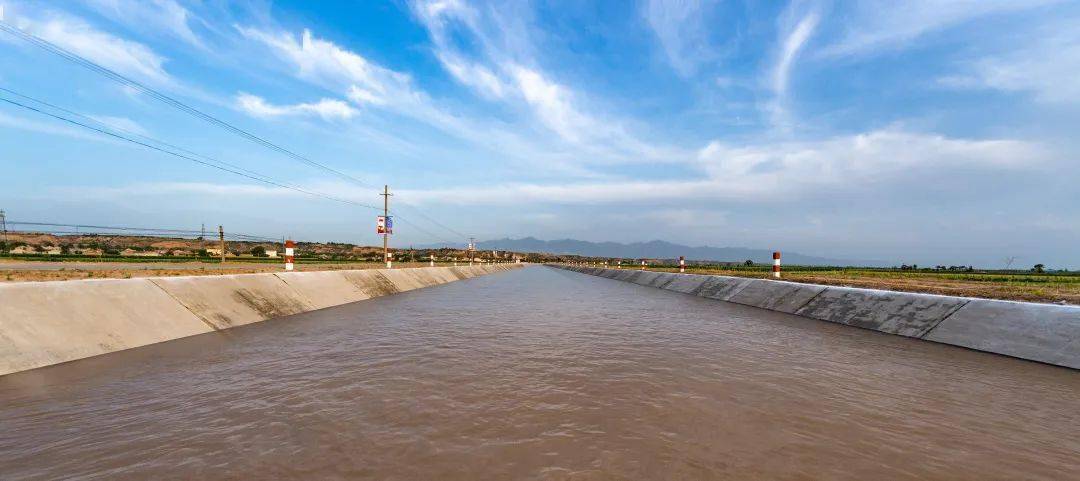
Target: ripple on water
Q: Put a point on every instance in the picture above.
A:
(543, 374)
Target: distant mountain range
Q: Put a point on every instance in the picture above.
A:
(660, 250)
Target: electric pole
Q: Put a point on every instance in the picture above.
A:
(3, 229)
(472, 245)
(221, 237)
(386, 225)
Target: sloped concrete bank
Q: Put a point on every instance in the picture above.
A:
(1038, 332)
(45, 323)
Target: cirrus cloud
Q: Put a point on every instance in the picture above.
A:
(327, 109)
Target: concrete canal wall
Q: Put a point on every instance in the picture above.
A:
(1038, 332)
(44, 323)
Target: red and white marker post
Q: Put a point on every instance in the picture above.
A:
(290, 246)
(776, 265)
(682, 265)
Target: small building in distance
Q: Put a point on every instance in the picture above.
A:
(135, 253)
(216, 252)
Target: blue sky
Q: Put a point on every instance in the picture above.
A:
(934, 132)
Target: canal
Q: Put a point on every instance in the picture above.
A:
(542, 374)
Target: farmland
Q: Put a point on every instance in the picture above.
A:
(1055, 287)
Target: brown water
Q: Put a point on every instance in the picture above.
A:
(542, 374)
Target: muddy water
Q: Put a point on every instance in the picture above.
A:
(542, 374)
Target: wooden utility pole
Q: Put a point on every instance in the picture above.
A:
(221, 237)
(386, 223)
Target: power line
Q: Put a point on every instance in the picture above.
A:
(80, 228)
(238, 170)
(58, 231)
(433, 221)
(117, 77)
(232, 168)
(257, 178)
(421, 229)
(131, 133)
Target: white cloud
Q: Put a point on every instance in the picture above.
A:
(122, 123)
(680, 27)
(480, 78)
(604, 139)
(124, 56)
(325, 63)
(777, 171)
(328, 109)
(552, 103)
(364, 97)
(157, 15)
(682, 218)
(52, 128)
(363, 82)
(164, 189)
(879, 25)
(441, 17)
(859, 158)
(725, 82)
(1046, 66)
(590, 140)
(500, 66)
(793, 43)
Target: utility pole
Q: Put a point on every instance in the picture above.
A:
(202, 236)
(221, 237)
(386, 231)
(472, 245)
(3, 229)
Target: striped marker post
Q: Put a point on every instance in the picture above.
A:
(682, 265)
(642, 265)
(776, 265)
(290, 247)
(432, 260)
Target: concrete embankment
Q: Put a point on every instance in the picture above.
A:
(44, 323)
(1038, 332)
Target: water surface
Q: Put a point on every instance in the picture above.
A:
(542, 374)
